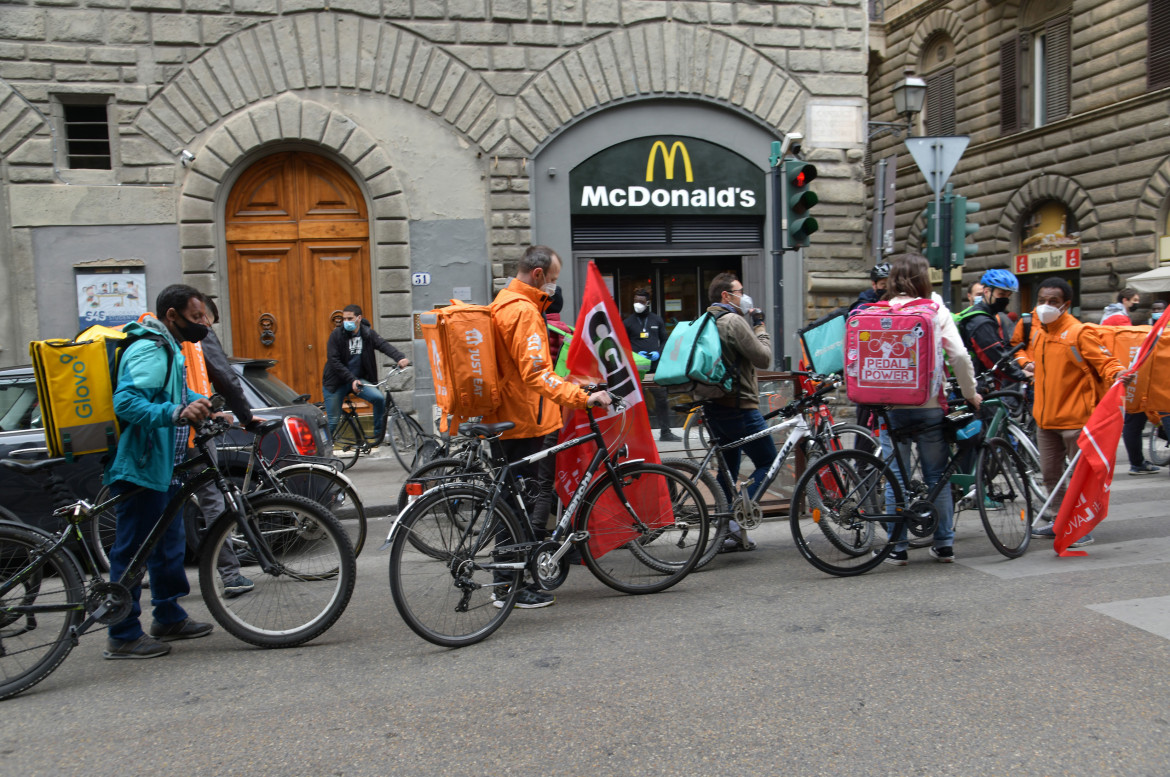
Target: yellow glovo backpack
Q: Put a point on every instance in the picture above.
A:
(75, 387)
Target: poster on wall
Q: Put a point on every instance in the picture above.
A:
(111, 297)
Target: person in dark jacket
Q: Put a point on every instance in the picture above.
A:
(877, 289)
(980, 327)
(647, 333)
(350, 362)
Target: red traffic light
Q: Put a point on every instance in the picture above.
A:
(800, 174)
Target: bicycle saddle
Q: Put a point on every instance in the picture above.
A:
(29, 467)
(485, 430)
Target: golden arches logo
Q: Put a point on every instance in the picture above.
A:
(668, 160)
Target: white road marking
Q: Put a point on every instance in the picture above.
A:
(1040, 560)
(1152, 615)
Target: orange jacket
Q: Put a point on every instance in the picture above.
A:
(529, 386)
(1073, 368)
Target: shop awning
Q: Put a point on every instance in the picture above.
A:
(1157, 279)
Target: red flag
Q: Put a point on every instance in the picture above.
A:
(600, 351)
(1086, 502)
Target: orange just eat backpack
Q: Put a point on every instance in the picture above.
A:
(460, 342)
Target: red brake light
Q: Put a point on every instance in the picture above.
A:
(301, 435)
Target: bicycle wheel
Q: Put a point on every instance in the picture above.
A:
(440, 471)
(1022, 444)
(102, 526)
(348, 441)
(306, 589)
(405, 436)
(1158, 448)
(652, 548)
(695, 439)
(836, 510)
(33, 644)
(334, 492)
(855, 437)
(1004, 498)
(718, 511)
(437, 565)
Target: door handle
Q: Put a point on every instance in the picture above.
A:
(267, 323)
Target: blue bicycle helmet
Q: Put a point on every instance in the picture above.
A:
(1000, 279)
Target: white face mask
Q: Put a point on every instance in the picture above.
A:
(745, 303)
(1048, 313)
(549, 289)
(639, 307)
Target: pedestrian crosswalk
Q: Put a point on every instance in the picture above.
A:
(1151, 614)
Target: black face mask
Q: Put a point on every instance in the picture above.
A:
(1000, 305)
(189, 330)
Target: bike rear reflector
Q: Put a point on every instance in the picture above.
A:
(301, 435)
(414, 489)
(816, 515)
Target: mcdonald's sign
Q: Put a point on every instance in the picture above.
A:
(667, 175)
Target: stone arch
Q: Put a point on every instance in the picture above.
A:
(942, 20)
(652, 61)
(289, 119)
(300, 52)
(1154, 203)
(1035, 191)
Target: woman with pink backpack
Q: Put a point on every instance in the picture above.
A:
(894, 358)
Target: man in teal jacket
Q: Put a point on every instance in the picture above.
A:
(155, 407)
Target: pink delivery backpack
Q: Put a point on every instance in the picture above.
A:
(891, 357)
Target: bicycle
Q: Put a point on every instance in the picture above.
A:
(318, 481)
(404, 434)
(695, 428)
(851, 507)
(298, 556)
(818, 435)
(459, 551)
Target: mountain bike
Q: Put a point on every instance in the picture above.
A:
(460, 551)
(299, 558)
(851, 507)
(813, 430)
(404, 434)
(317, 479)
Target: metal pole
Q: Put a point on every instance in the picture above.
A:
(779, 227)
(946, 249)
(879, 211)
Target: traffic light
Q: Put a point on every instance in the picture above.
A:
(798, 201)
(961, 229)
(932, 252)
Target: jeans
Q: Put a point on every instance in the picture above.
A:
(368, 393)
(168, 580)
(728, 424)
(933, 454)
(539, 507)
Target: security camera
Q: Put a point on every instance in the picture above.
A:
(186, 157)
(792, 144)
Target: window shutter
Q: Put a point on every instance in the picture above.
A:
(940, 103)
(1058, 53)
(1158, 58)
(1009, 86)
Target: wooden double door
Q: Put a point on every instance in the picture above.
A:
(298, 253)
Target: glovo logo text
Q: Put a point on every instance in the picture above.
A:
(668, 160)
(81, 402)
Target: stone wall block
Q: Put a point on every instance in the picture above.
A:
(580, 80)
(171, 118)
(627, 65)
(393, 256)
(113, 56)
(564, 84)
(224, 146)
(535, 115)
(231, 76)
(467, 9)
(199, 260)
(606, 12)
(149, 125)
(85, 73)
(75, 26)
(372, 163)
(36, 151)
(204, 80)
(524, 141)
(306, 32)
(654, 55)
(247, 47)
(748, 13)
(31, 71)
(196, 235)
(451, 82)
(369, 40)
(488, 130)
(283, 60)
(424, 57)
(510, 10)
(610, 68)
(328, 45)
(16, 132)
(314, 117)
(429, 9)
(243, 131)
(371, 8)
(217, 28)
(586, 61)
(266, 120)
(547, 89)
(436, 71)
(634, 11)
(171, 29)
(487, 34)
(347, 50)
(716, 56)
(464, 112)
(391, 231)
(383, 187)
(22, 24)
(200, 187)
(398, 64)
(567, 11)
(357, 146)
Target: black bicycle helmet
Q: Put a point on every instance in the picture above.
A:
(880, 272)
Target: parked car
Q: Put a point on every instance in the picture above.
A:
(303, 433)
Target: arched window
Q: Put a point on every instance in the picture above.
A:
(1036, 67)
(938, 68)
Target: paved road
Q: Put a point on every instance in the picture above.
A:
(757, 665)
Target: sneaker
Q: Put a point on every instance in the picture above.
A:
(184, 629)
(733, 545)
(898, 558)
(668, 436)
(145, 646)
(1083, 541)
(1044, 530)
(1145, 468)
(527, 600)
(235, 585)
(943, 555)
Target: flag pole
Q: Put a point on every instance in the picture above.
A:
(1060, 484)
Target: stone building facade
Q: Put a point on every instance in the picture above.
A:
(288, 160)
(1067, 106)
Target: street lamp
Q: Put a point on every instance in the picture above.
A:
(909, 96)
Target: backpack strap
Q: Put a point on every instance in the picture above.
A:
(732, 366)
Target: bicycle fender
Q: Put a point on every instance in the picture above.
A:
(393, 527)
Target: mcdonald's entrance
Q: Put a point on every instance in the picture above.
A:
(678, 284)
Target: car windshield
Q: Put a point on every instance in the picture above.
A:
(18, 405)
(273, 391)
